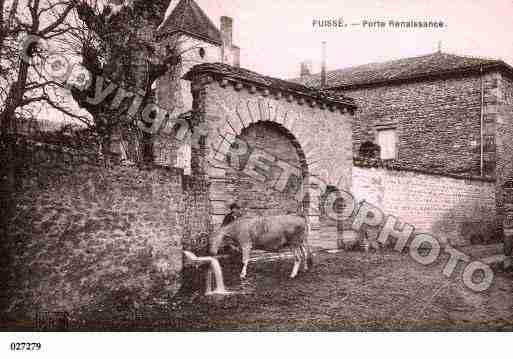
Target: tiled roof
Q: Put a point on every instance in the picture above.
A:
(188, 18)
(432, 65)
(244, 75)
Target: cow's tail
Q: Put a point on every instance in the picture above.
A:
(309, 256)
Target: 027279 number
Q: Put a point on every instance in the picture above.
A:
(25, 346)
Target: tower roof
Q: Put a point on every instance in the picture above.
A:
(188, 18)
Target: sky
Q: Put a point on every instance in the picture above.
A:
(276, 35)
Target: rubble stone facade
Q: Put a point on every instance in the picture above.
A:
(437, 122)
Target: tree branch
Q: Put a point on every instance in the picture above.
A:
(58, 21)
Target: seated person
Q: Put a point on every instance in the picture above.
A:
(235, 213)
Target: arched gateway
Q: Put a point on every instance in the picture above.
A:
(272, 145)
(263, 194)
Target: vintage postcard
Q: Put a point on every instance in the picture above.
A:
(261, 166)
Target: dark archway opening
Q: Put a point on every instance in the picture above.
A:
(283, 180)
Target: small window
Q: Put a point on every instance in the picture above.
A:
(202, 52)
(387, 141)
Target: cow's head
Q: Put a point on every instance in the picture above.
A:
(216, 241)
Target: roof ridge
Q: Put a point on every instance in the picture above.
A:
(189, 18)
(381, 62)
(472, 57)
(401, 69)
(404, 59)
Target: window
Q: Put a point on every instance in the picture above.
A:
(387, 141)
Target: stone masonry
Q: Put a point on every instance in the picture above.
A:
(298, 125)
(502, 114)
(437, 122)
(88, 238)
(456, 210)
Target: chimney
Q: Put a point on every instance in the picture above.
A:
(236, 56)
(306, 68)
(323, 70)
(227, 37)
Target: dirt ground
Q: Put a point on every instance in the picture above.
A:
(345, 291)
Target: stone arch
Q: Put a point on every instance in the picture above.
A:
(284, 157)
(317, 126)
(287, 134)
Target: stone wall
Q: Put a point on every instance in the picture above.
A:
(502, 114)
(88, 239)
(437, 121)
(197, 210)
(461, 211)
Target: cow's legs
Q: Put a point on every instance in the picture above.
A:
(297, 262)
(304, 252)
(245, 261)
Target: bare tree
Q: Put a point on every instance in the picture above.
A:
(114, 41)
(118, 45)
(45, 19)
(22, 86)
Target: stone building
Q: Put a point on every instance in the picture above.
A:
(435, 112)
(439, 114)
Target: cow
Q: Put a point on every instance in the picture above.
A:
(267, 233)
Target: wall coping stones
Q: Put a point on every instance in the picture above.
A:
(87, 157)
(265, 85)
(392, 165)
